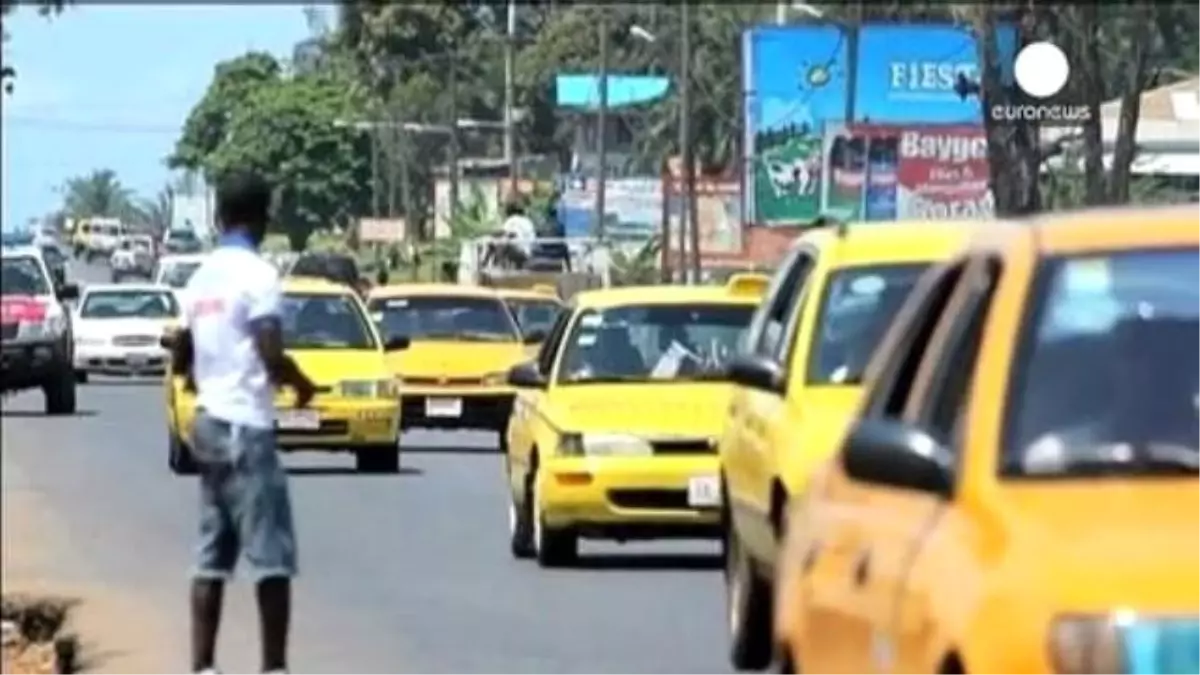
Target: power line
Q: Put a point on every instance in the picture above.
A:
(85, 126)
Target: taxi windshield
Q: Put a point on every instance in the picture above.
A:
(22, 275)
(177, 275)
(131, 304)
(324, 321)
(444, 318)
(1107, 381)
(859, 304)
(653, 343)
(534, 315)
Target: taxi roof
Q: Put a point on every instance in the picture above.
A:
(432, 289)
(314, 286)
(526, 294)
(1092, 230)
(896, 242)
(607, 298)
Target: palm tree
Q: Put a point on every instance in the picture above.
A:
(155, 213)
(99, 194)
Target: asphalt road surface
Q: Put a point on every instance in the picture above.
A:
(407, 573)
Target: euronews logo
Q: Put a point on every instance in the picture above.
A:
(1041, 71)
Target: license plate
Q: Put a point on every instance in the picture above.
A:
(299, 419)
(443, 407)
(704, 492)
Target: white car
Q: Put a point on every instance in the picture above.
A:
(134, 257)
(35, 330)
(175, 270)
(119, 329)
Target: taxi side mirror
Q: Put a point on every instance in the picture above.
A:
(534, 337)
(757, 372)
(894, 454)
(397, 344)
(526, 376)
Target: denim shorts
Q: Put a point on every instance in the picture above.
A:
(244, 504)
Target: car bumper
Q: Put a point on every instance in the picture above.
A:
(456, 407)
(24, 365)
(343, 425)
(630, 498)
(111, 360)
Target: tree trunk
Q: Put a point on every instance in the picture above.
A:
(1125, 147)
(1088, 48)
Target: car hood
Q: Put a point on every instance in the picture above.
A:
(1103, 544)
(327, 367)
(685, 409)
(449, 359)
(108, 328)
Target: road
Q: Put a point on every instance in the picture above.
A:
(407, 573)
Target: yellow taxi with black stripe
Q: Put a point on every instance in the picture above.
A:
(614, 428)
(463, 339)
(327, 331)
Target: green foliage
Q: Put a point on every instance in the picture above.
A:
(638, 268)
(98, 194)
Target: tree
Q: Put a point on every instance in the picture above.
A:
(46, 8)
(98, 194)
(156, 212)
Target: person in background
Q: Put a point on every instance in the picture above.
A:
(521, 233)
(230, 351)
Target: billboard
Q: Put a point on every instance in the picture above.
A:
(718, 213)
(888, 172)
(795, 84)
(633, 209)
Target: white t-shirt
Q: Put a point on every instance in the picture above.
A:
(233, 287)
(522, 231)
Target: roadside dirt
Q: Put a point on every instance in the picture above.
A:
(119, 632)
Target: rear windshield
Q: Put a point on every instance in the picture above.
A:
(335, 268)
(324, 321)
(22, 275)
(534, 315)
(140, 304)
(444, 318)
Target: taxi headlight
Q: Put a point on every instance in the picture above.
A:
(1125, 643)
(367, 389)
(494, 379)
(604, 445)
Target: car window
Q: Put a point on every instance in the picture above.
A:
(780, 307)
(324, 321)
(653, 343)
(23, 275)
(549, 349)
(534, 315)
(447, 317)
(340, 269)
(131, 304)
(1107, 376)
(857, 306)
(53, 256)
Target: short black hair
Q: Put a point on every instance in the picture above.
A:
(514, 209)
(243, 198)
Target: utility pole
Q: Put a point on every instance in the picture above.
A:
(852, 30)
(391, 169)
(453, 132)
(602, 123)
(375, 208)
(685, 131)
(510, 153)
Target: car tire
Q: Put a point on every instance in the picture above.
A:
(520, 523)
(384, 459)
(179, 457)
(748, 609)
(60, 393)
(81, 376)
(554, 547)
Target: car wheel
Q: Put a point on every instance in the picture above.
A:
(520, 523)
(554, 547)
(748, 609)
(383, 459)
(179, 457)
(60, 393)
(81, 376)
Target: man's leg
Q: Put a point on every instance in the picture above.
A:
(269, 541)
(217, 552)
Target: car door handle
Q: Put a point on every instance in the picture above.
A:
(862, 568)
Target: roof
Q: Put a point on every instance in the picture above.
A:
(182, 257)
(21, 251)
(1097, 230)
(526, 294)
(315, 286)
(432, 289)
(891, 243)
(606, 298)
(132, 288)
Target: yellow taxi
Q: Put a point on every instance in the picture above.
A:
(327, 331)
(463, 339)
(613, 434)
(535, 310)
(1018, 492)
(796, 385)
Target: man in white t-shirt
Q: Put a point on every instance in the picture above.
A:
(230, 349)
(520, 231)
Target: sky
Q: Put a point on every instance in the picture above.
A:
(109, 86)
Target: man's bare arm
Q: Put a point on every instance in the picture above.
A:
(282, 369)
